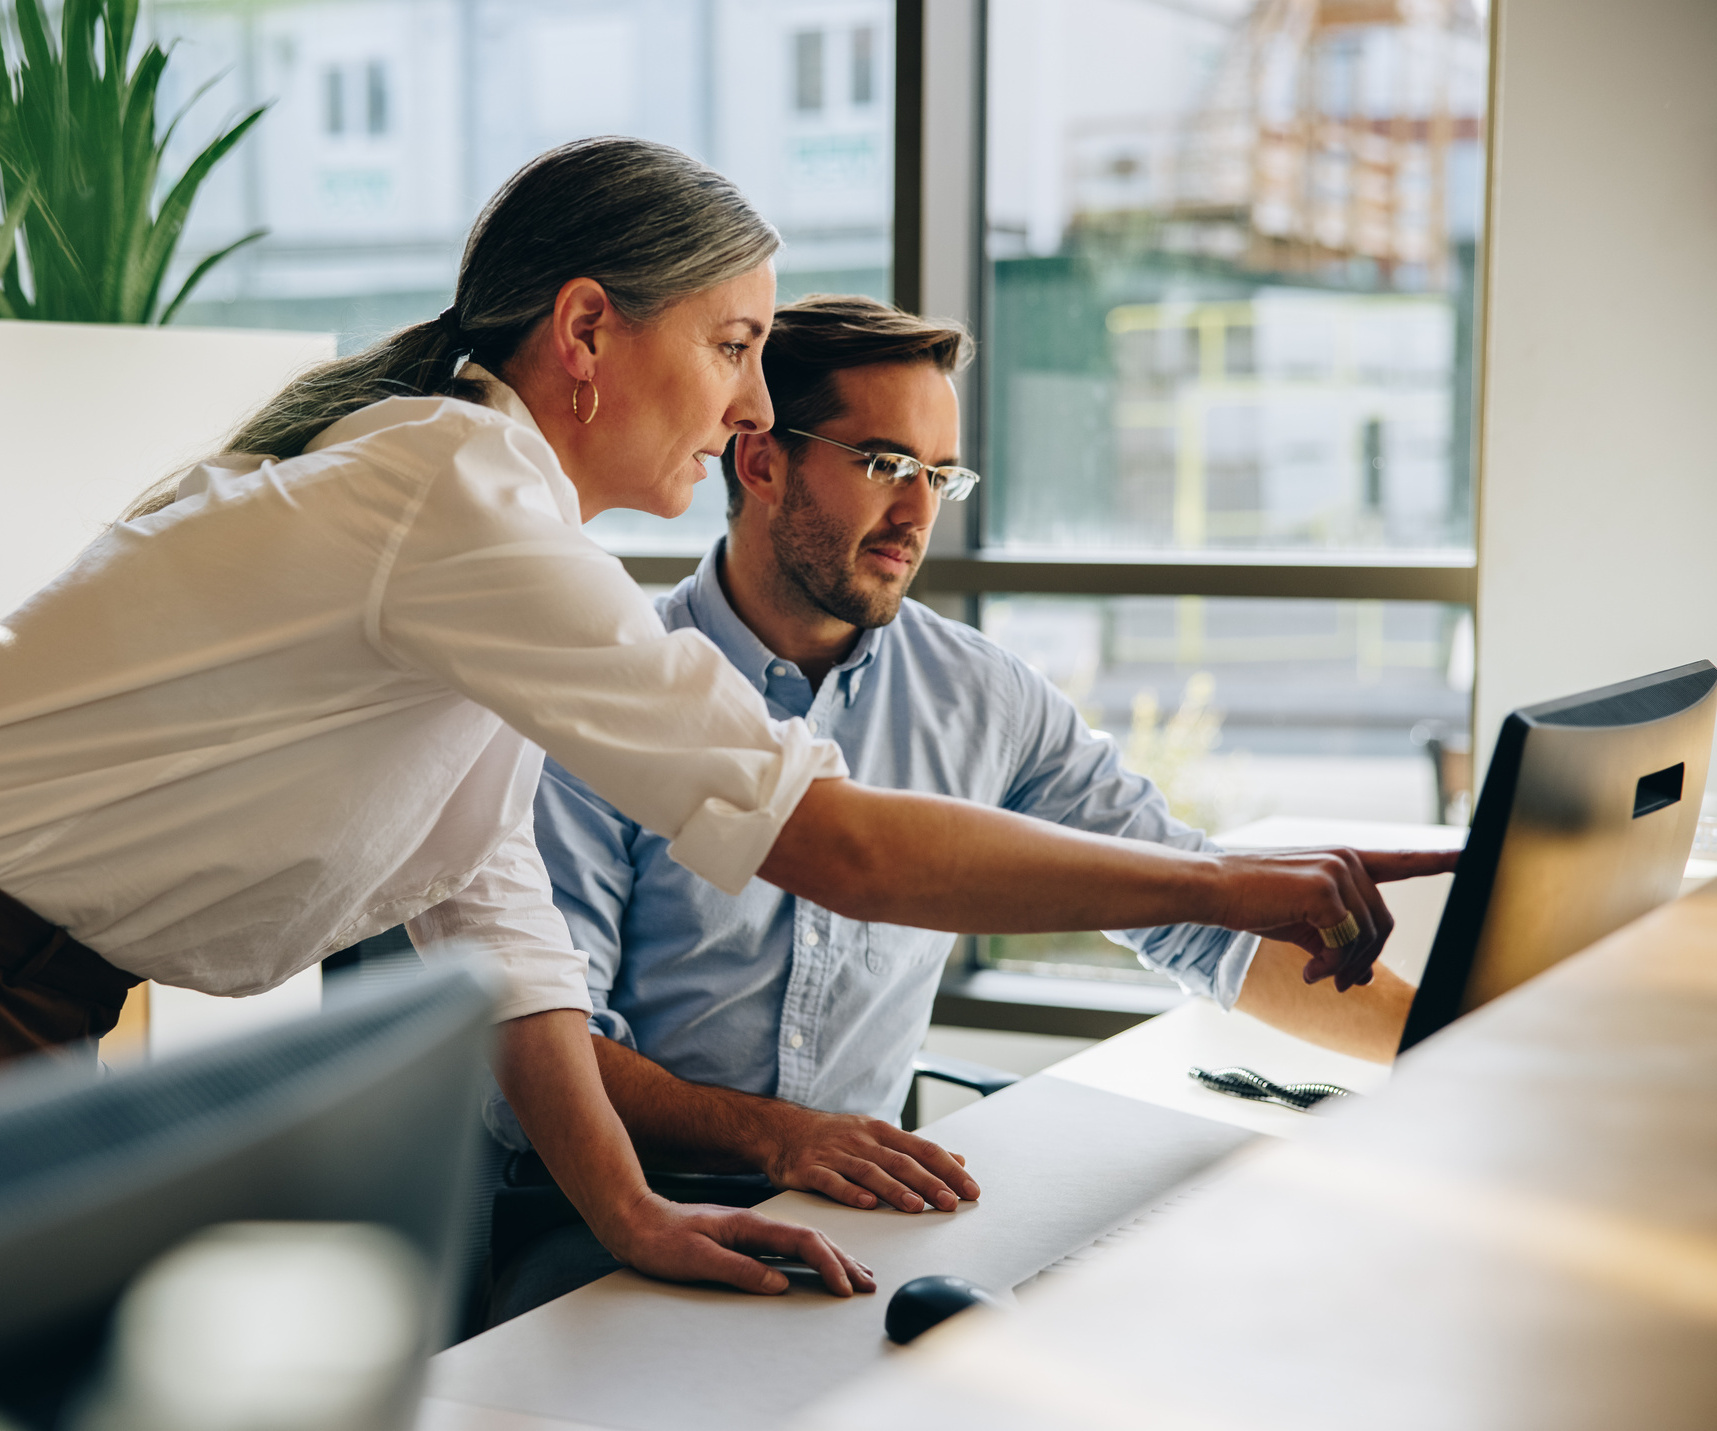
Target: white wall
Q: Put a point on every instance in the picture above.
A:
(1598, 506)
(90, 415)
(183, 1019)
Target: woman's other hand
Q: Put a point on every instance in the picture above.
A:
(693, 1242)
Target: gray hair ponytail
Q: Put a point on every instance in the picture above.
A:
(650, 224)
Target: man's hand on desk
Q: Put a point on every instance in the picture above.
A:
(861, 1161)
(700, 1243)
(850, 1158)
(1291, 895)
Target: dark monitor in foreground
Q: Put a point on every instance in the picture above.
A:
(1585, 822)
(364, 1113)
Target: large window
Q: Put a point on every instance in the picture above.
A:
(393, 120)
(1231, 259)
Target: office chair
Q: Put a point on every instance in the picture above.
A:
(962, 1072)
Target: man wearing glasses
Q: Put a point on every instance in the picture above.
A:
(759, 1033)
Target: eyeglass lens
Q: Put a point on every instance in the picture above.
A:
(890, 467)
(953, 483)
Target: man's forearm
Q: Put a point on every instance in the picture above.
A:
(1366, 1021)
(854, 1158)
(675, 1124)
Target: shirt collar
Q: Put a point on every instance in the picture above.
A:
(714, 615)
(500, 397)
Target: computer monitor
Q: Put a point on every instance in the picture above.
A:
(1585, 822)
(367, 1112)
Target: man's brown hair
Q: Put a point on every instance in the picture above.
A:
(825, 334)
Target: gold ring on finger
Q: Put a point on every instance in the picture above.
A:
(1339, 936)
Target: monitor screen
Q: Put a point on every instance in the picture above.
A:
(367, 1112)
(1585, 822)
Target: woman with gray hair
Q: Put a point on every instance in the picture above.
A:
(303, 694)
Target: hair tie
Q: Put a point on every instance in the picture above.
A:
(449, 321)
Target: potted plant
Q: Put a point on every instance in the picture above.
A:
(86, 232)
(97, 398)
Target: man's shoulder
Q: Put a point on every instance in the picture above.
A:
(675, 607)
(927, 636)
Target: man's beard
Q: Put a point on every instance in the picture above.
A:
(814, 556)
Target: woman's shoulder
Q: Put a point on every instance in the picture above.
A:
(437, 417)
(450, 444)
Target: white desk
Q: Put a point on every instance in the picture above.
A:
(1061, 1163)
(1520, 1232)
(1064, 1157)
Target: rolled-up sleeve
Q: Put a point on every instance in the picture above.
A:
(506, 918)
(493, 590)
(1072, 775)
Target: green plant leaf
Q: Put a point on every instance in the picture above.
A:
(202, 268)
(32, 18)
(16, 208)
(79, 134)
(184, 109)
(176, 207)
(51, 244)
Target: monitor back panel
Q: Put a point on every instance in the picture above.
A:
(1585, 823)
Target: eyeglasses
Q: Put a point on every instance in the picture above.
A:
(895, 469)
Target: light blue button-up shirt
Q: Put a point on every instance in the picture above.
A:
(771, 994)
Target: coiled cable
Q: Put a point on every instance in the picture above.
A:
(1244, 1083)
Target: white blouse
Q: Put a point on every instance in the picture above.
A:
(309, 700)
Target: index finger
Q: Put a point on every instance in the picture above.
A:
(1383, 865)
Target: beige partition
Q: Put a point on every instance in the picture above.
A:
(91, 414)
(1598, 506)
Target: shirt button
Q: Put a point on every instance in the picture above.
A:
(811, 939)
(797, 1041)
(811, 725)
(778, 670)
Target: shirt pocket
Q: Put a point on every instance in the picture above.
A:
(894, 948)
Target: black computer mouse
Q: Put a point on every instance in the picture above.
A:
(925, 1301)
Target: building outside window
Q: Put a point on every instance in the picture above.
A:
(864, 65)
(808, 71)
(376, 97)
(1232, 251)
(334, 100)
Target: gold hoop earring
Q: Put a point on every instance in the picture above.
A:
(595, 401)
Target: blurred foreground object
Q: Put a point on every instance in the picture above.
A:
(367, 1112)
(269, 1326)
